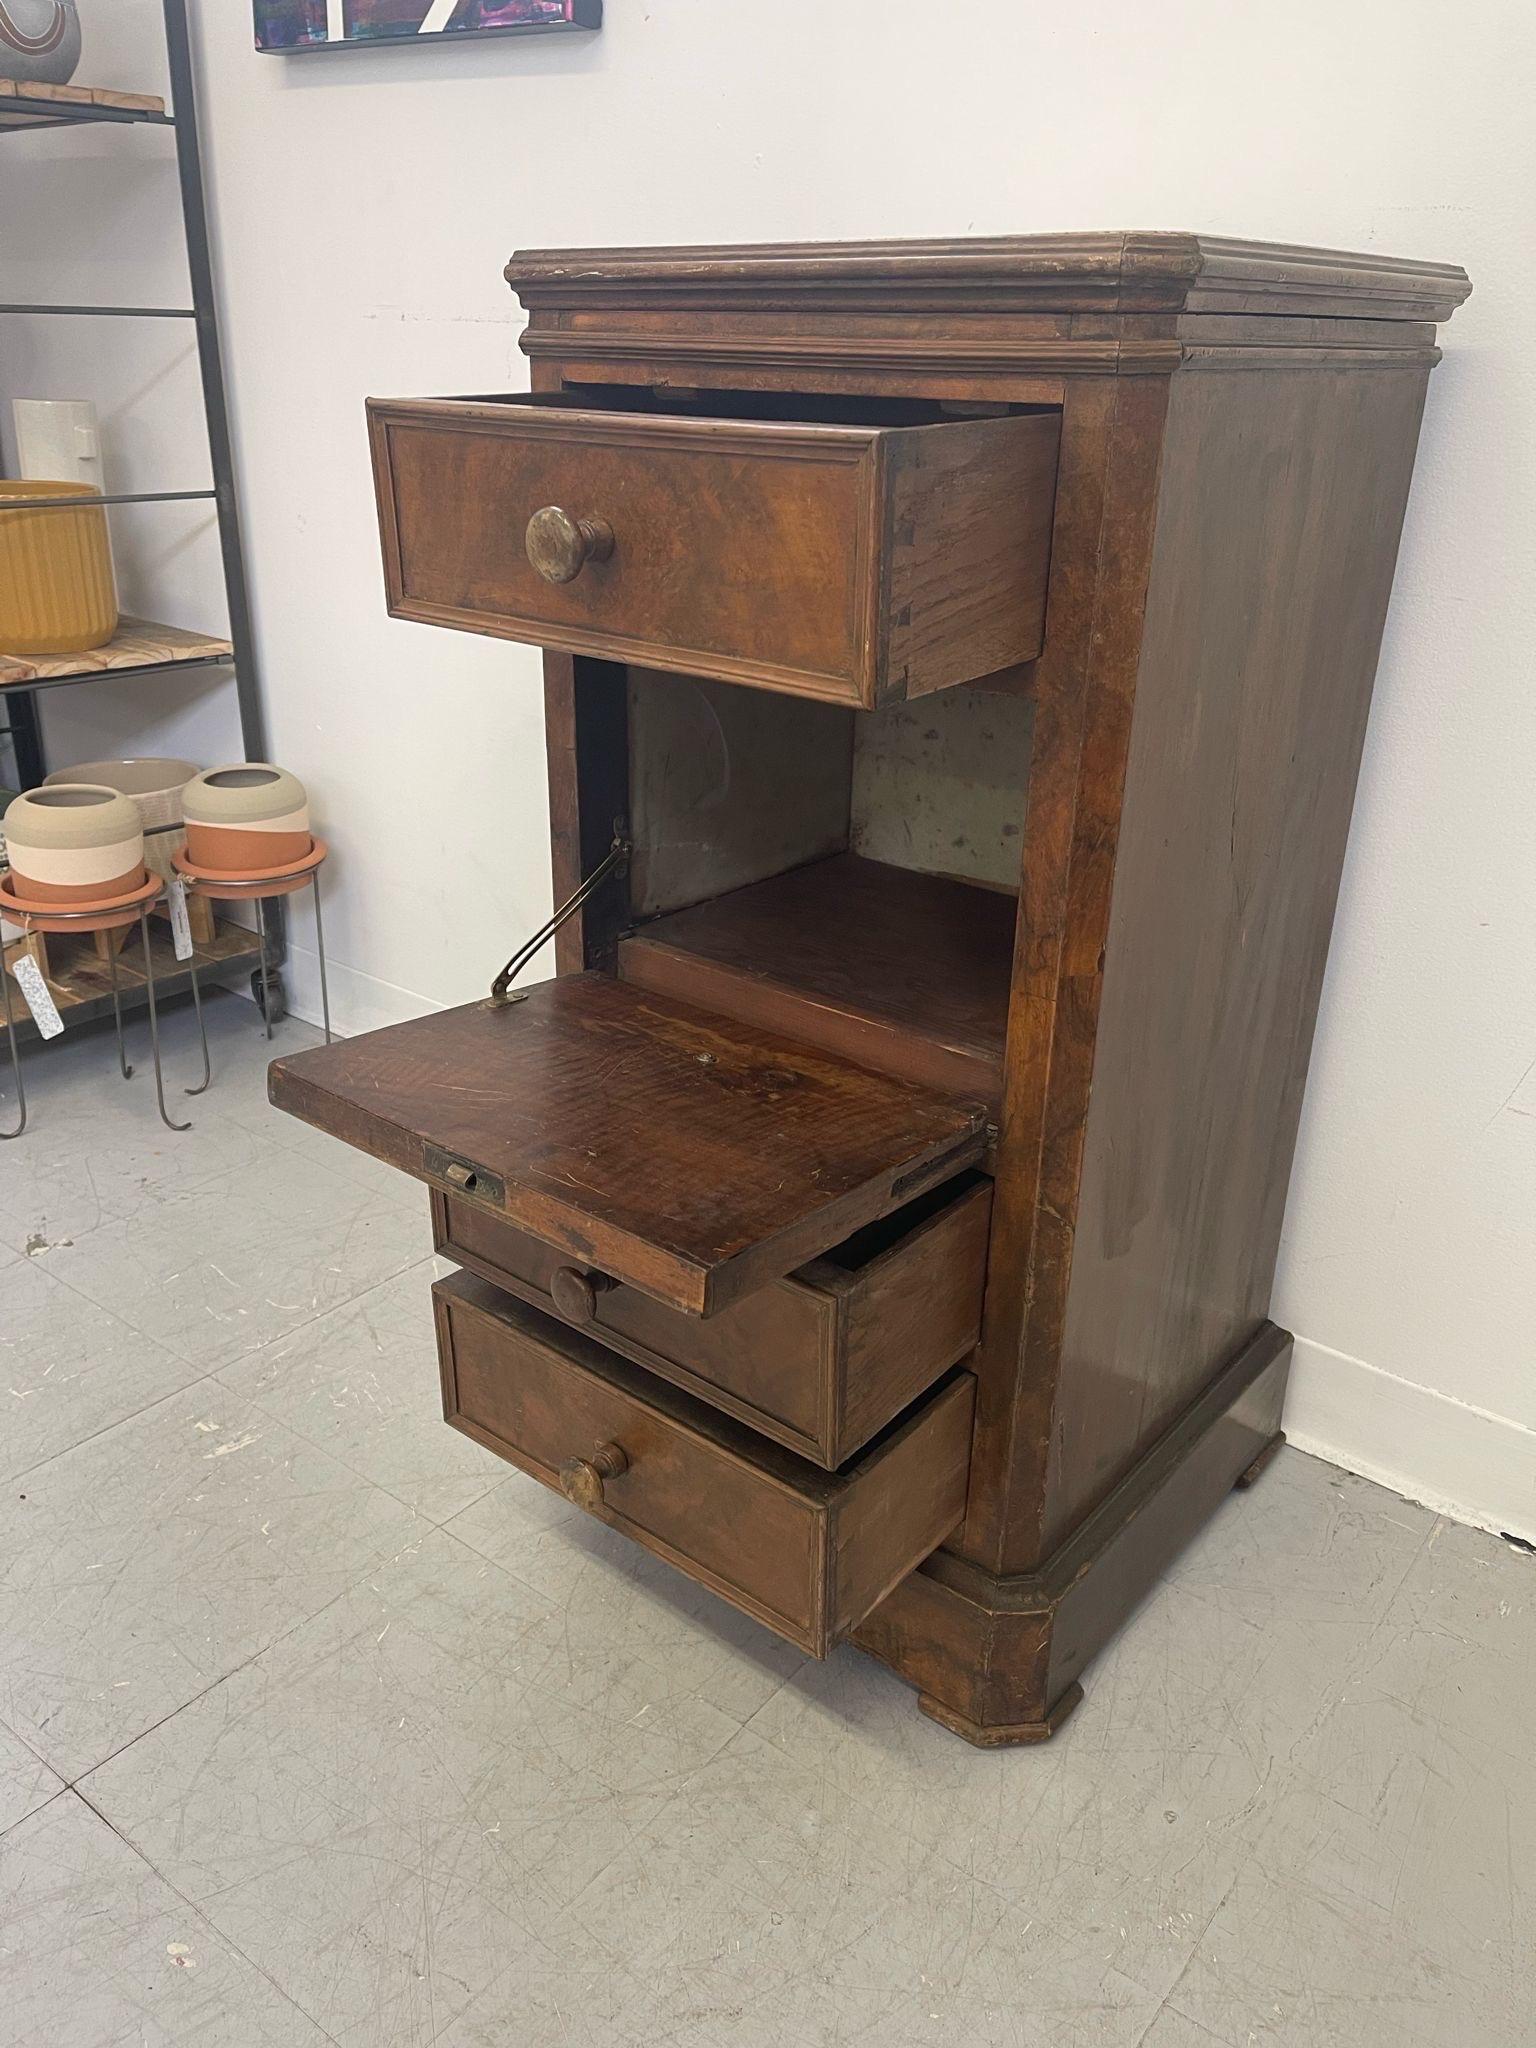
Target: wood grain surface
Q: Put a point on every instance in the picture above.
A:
(1237, 425)
(687, 1155)
(906, 973)
(818, 1361)
(137, 643)
(808, 1553)
(845, 562)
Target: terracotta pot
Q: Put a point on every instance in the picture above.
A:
(155, 786)
(114, 911)
(249, 818)
(74, 842)
(39, 40)
(219, 886)
(56, 590)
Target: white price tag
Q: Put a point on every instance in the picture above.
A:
(45, 1013)
(181, 924)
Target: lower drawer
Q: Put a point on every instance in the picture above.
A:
(806, 1552)
(821, 1360)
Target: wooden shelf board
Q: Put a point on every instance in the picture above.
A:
(25, 104)
(81, 980)
(903, 972)
(137, 643)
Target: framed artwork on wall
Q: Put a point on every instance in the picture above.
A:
(284, 26)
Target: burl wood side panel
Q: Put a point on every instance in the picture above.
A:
(729, 786)
(1280, 509)
(1111, 438)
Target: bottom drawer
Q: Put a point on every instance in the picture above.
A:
(808, 1553)
(821, 1360)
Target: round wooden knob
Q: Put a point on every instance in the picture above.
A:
(560, 547)
(575, 1293)
(581, 1479)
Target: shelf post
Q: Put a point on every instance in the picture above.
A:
(25, 730)
(211, 362)
(194, 210)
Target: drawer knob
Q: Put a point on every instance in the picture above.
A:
(581, 1479)
(560, 547)
(575, 1293)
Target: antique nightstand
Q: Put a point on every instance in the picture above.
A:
(958, 665)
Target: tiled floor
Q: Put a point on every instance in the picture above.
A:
(316, 1726)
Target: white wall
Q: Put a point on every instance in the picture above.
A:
(366, 202)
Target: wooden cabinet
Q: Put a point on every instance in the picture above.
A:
(969, 645)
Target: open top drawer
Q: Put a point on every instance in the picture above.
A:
(682, 1154)
(855, 562)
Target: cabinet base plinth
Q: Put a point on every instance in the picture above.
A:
(1006, 1734)
(996, 1657)
(1261, 1464)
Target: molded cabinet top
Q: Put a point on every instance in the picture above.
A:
(1129, 271)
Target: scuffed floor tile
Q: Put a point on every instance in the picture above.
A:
(362, 1383)
(625, 1626)
(26, 1783)
(69, 1370)
(763, 1906)
(216, 1273)
(390, 1813)
(1175, 2030)
(1391, 1899)
(1130, 1827)
(96, 1951)
(95, 1150)
(142, 1567)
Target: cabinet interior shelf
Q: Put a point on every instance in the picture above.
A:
(27, 105)
(139, 645)
(903, 972)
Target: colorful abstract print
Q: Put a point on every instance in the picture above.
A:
(300, 24)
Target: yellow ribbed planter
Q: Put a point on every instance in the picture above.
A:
(56, 590)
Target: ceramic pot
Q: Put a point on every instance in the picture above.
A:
(74, 842)
(247, 819)
(155, 787)
(56, 590)
(221, 887)
(39, 40)
(107, 913)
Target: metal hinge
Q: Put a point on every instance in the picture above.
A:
(616, 861)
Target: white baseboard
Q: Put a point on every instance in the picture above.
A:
(1459, 1460)
(359, 1002)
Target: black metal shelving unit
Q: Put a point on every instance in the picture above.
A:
(19, 717)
